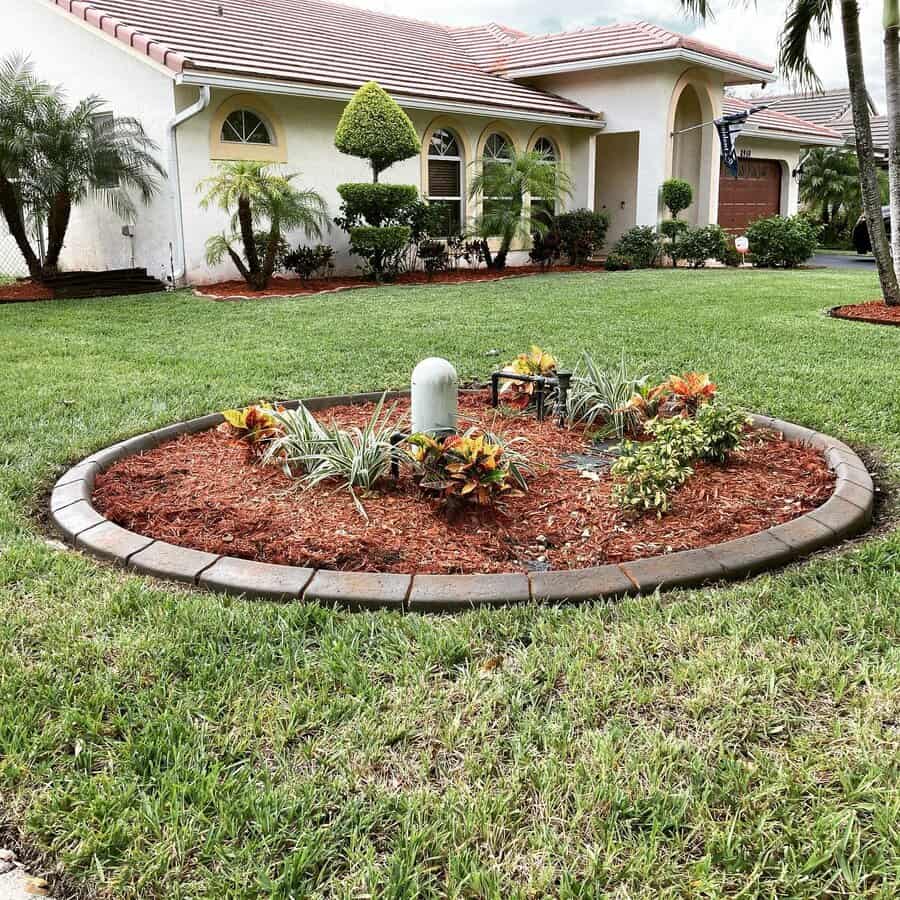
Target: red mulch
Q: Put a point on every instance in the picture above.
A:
(877, 312)
(294, 287)
(23, 291)
(206, 491)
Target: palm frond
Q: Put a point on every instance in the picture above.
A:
(805, 20)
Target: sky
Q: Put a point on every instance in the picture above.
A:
(751, 30)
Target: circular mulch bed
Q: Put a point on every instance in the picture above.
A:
(207, 492)
(295, 287)
(875, 312)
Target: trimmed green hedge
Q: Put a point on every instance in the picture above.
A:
(375, 128)
(375, 203)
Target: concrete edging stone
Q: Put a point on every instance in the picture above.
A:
(846, 512)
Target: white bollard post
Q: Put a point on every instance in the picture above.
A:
(435, 396)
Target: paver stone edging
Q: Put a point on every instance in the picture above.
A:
(848, 511)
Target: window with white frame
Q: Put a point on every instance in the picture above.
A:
(244, 126)
(544, 208)
(497, 152)
(445, 182)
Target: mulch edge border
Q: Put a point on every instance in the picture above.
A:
(845, 513)
(835, 313)
(367, 285)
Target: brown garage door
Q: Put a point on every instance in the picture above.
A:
(754, 194)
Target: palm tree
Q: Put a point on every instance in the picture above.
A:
(85, 154)
(23, 98)
(830, 184)
(892, 85)
(805, 18)
(505, 187)
(259, 198)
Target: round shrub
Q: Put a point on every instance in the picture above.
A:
(678, 195)
(375, 128)
(641, 245)
(697, 245)
(617, 262)
(381, 249)
(781, 241)
(374, 204)
(582, 233)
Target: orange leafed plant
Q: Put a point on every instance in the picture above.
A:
(473, 465)
(254, 423)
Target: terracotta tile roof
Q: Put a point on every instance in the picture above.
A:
(324, 43)
(822, 108)
(626, 39)
(771, 122)
(316, 42)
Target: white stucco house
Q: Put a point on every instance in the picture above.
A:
(267, 79)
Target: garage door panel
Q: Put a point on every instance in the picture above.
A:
(754, 194)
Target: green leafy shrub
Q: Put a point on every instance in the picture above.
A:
(677, 195)
(282, 249)
(672, 230)
(434, 256)
(309, 261)
(375, 128)
(723, 430)
(646, 474)
(641, 245)
(697, 245)
(782, 241)
(618, 262)
(732, 258)
(375, 204)
(582, 233)
(380, 248)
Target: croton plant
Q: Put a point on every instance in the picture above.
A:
(469, 466)
(535, 362)
(255, 424)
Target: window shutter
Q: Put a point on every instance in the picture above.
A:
(443, 178)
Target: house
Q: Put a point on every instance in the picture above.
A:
(267, 79)
(833, 109)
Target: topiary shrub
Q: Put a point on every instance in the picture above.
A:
(375, 128)
(672, 230)
(677, 195)
(380, 248)
(582, 233)
(781, 241)
(375, 204)
(697, 245)
(641, 245)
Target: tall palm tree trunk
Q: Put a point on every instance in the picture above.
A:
(12, 213)
(245, 220)
(57, 225)
(892, 85)
(868, 178)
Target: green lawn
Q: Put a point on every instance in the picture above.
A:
(166, 744)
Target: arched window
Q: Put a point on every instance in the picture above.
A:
(445, 189)
(245, 127)
(497, 152)
(543, 208)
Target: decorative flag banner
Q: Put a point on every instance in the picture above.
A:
(729, 127)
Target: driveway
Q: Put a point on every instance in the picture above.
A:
(843, 261)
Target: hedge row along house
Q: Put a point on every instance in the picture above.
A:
(215, 80)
